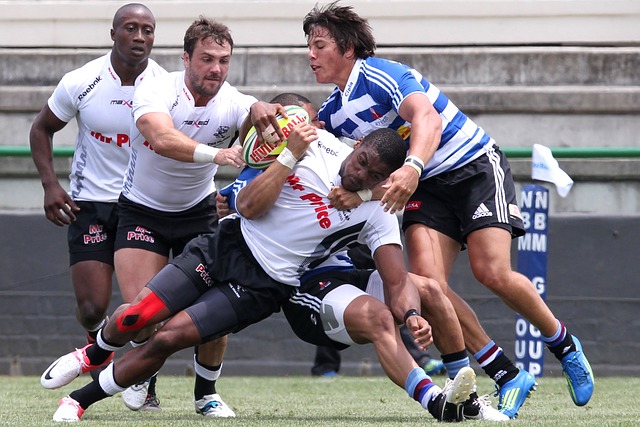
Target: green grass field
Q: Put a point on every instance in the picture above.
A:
(308, 401)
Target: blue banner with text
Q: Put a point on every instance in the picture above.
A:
(532, 262)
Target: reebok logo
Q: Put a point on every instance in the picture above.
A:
(482, 211)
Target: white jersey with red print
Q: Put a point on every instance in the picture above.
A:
(302, 229)
(94, 95)
(170, 185)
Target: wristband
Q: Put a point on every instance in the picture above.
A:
(412, 312)
(286, 158)
(415, 162)
(204, 154)
(365, 194)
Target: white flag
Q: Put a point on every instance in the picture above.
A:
(544, 167)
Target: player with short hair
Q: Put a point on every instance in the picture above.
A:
(186, 124)
(455, 186)
(241, 274)
(99, 95)
(337, 300)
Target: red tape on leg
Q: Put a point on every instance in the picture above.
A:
(135, 317)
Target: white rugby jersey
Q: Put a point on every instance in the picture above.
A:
(302, 229)
(93, 94)
(170, 185)
(371, 100)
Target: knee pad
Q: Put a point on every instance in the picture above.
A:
(135, 317)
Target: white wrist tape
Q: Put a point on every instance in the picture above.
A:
(415, 162)
(204, 154)
(365, 194)
(286, 158)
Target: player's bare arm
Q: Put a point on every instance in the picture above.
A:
(400, 293)
(344, 200)
(59, 208)
(426, 130)
(260, 194)
(166, 140)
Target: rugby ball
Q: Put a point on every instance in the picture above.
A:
(259, 155)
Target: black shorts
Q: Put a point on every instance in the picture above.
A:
(302, 310)
(163, 232)
(92, 235)
(221, 261)
(478, 195)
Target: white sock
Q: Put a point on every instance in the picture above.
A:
(108, 383)
(205, 373)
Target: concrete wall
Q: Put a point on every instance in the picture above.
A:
(60, 23)
(591, 286)
(560, 96)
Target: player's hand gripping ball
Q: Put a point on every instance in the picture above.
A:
(259, 155)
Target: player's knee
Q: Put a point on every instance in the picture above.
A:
(492, 279)
(430, 289)
(90, 315)
(383, 321)
(164, 343)
(137, 316)
(130, 320)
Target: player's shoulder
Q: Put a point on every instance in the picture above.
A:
(155, 69)
(234, 96)
(92, 70)
(328, 146)
(377, 71)
(162, 82)
(374, 62)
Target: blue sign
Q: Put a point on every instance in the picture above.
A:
(532, 262)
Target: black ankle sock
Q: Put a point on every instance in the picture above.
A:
(89, 394)
(152, 385)
(203, 387)
(501, 370)
(565, 347)
(97, 355)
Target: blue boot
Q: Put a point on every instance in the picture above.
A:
(579, 375)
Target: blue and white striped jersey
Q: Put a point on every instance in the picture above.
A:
(371, 100)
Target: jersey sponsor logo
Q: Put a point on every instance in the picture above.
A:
(204, 275)
(413, 206)
(319, 206)
(186, 94)
(347, 90)
(122, 139)
(330, 151)
(124, 102)
(378, 120)
(196, 123)
(481, 212)
(96, 235)
(140, 234)
(113, 75)
(89, 88)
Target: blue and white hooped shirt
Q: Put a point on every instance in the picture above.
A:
(371, 100)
